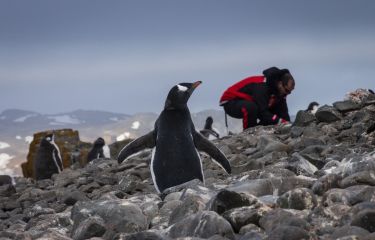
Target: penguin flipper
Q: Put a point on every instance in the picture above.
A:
(205, 145)
(146, 141)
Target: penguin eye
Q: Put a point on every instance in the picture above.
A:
(48, 139)
(182, 88)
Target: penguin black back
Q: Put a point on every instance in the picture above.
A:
(97, 150)
(208, 130)
(175, 159)
(48, 159)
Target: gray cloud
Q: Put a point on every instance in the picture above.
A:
(124, 56)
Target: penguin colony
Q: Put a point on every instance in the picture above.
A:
(175, 142)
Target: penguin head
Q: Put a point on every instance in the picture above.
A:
(313, 107)
(209, 122)
(99, 142)
(48, 140)
(179, 95)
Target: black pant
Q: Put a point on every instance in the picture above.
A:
(246, 110)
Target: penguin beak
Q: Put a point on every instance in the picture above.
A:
(196, 84)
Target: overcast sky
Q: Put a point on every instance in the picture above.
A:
(124, 56)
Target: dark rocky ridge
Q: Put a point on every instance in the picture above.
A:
(306, 181)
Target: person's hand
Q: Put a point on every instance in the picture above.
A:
(283, 121)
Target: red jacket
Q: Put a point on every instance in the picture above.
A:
(233, 92)
(256, 89)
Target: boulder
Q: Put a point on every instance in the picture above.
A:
(327, 114)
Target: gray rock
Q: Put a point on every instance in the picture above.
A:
(336, 195)
(226, 200)
(142, 236)
(190, 205)
(240, 217)
(296, 131)
(354, 165)
(300, 199)
(364, 177)
(37, 210)
(325, 183)
(346, 106)
(268, 144)
(119, 216)
(7, 190)
(362, 206)
(303, 119)
(349, 231)
(162, 219)
(193, 184)
(53, 234)
(66, 177)
(363, 194)
(271, 186)
(369, 237)
(288, 233)
(301, 166)
(250, 228)
(71, 197)
(327, 114)
(365, 219)
(315, 154)
(204, 225)
(253, 236)
(279, 217)
(91, 227)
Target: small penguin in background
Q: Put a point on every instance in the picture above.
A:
(371, 91)
(48, 158)
(208, 130)
(312, 108)
(175, 159)
(97, 150)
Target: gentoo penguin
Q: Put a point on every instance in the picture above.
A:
(97, 150)
(175, 159)
(48, 159)
(208, 130)
(313, 107)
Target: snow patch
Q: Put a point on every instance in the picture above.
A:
(22, 119)
(64, 119)
(115, 119)
(106, 151)
(4, 161)
(29, 139)
(135, 125)
(123, 136)
(4, 145)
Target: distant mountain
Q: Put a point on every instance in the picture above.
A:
(18, 126)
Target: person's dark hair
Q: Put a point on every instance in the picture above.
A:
(285, 78)
(275, 75)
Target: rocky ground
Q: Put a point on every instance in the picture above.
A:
(312, 180)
